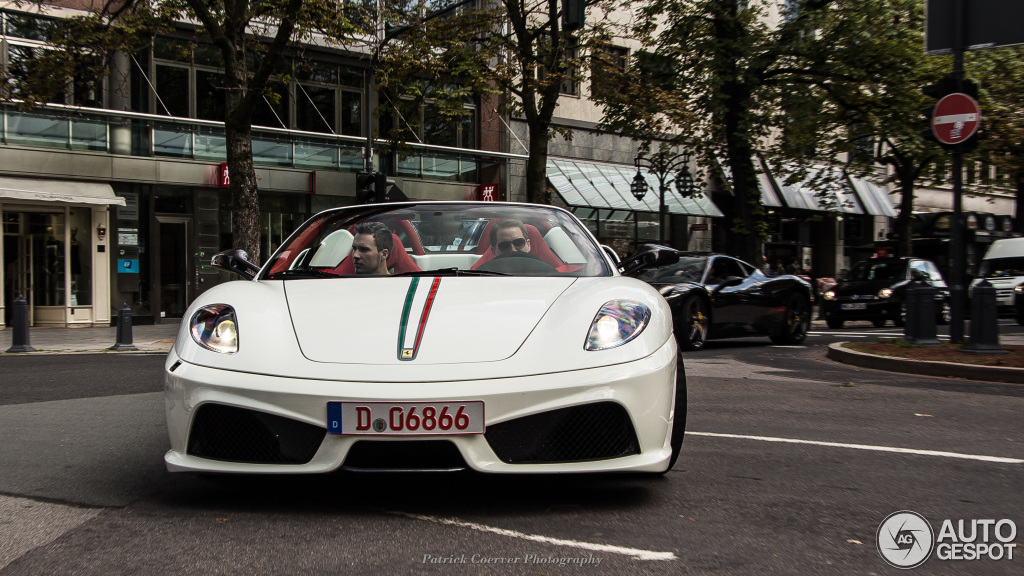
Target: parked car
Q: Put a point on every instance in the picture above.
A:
(717, 296)
(876, 289)
(503, 340)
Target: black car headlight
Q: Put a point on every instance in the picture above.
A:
(618, 322)
(215, 328)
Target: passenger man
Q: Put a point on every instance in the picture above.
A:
(371, 247)
(509, 236)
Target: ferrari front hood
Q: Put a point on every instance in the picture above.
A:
(418, 320)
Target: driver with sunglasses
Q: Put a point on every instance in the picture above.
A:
(509, 236)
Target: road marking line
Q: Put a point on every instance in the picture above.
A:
(634, 552)
(998, 459)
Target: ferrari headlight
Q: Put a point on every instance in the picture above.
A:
(885, 293)
(830, 295)
(215, 328)
(618, 322)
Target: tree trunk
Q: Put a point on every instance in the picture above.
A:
(537, 166)
(904, 228)
(245, 208)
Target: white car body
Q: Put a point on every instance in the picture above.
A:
(515, 343)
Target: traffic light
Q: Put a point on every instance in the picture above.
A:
(365, 186)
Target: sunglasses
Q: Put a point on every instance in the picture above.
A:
(507, 245)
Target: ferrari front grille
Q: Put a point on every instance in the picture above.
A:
(598, 431)
(233, 434)
(404, 455)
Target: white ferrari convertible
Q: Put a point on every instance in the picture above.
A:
(496, 337)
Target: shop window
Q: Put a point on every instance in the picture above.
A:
(172, 90)
(80, 257)
(209, 95)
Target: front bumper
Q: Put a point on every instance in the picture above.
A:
(644, 388)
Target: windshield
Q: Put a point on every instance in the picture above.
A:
(439, 238)
(688, 269)
(893, 271)
(1002, 267)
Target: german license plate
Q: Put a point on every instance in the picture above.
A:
(405, 418)
(854, 306)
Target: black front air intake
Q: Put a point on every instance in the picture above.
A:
(233, 434)
(433, 455)
(589, 432)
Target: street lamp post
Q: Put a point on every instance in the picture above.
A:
(668, 168)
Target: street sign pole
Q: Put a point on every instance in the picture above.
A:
(956, 291)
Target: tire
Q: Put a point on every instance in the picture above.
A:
(945, 315)
(878, 322)
(678, 415)
(693, 324)
(834, 323)
(797, 321)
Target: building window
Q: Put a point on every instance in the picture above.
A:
(606, 65)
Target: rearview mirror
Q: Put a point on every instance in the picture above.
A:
(236, 261)
(650, 256)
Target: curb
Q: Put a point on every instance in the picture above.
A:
(837, 352)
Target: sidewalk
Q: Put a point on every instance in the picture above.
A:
(148, 339)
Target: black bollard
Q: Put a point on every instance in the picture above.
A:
(920, 326)
(19, 322)
(984, 321)
(124, 329)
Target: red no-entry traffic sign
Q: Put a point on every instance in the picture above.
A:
(956, 118)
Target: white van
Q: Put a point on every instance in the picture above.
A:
(1003, 267)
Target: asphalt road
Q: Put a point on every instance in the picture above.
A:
(790, 464)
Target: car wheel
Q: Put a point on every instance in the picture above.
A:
(901, 319)
(878, 322)
(945, 315)
(797, 320)
(834, 323)
(678, 415)
(693, 330)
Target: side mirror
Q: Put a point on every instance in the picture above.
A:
(918, 275)
(650, 256)
(236, 261)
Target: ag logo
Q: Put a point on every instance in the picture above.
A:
(379, 425)
(905, 539)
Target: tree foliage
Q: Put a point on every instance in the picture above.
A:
(517, 50)
(801, 83)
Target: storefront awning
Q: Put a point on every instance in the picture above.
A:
(58, 191)
(840, 197)
(875, 199)
(593, 185)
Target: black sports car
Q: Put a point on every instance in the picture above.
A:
(876, 289)
(717, 296)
